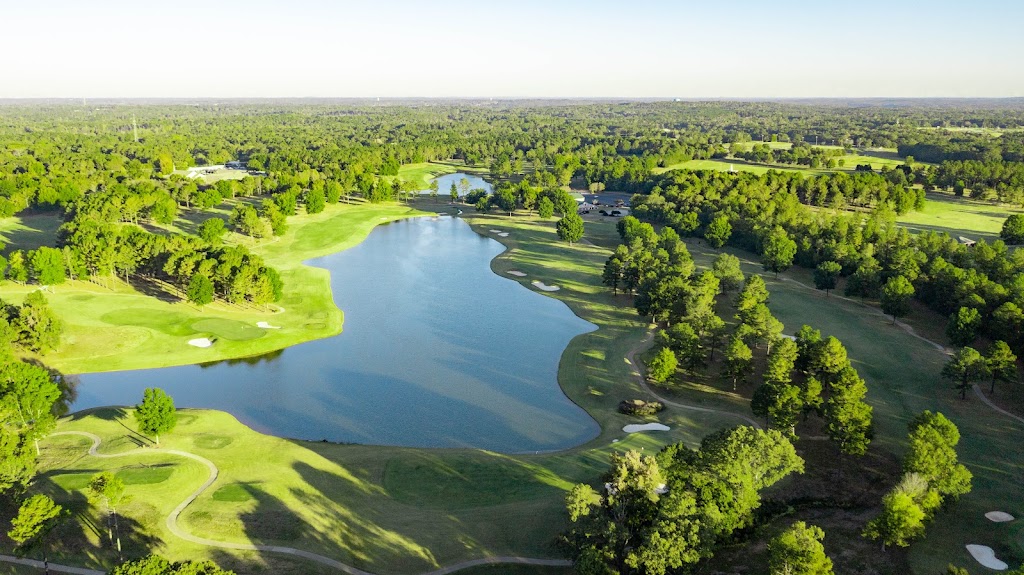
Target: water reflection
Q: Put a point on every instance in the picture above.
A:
(437, 351)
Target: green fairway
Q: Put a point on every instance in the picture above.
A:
(732, 165)
(876, 158)
(28, 232)
(113, 326)
(959, 216)
(422, 173)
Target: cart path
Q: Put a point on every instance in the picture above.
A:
(638, 372)
(172, 526)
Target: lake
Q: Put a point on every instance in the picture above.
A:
(437, 351)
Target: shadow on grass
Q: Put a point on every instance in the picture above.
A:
(88, 535)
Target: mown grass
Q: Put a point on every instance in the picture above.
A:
(28, 232)
(955, 216)
(396, 510)
(421, 174)
(114, 326)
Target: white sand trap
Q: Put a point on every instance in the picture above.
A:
(636, 427)
(503, 235)
(987, 557)
(266, 325)
(495, 231)
(516, 273)
(544, 287)
(789, 337)
(999, 516)
(200, 342)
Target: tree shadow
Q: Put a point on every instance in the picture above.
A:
(86, 535)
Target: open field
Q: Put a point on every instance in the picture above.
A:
(959, 216)
(140, 331)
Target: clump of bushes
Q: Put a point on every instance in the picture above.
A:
(640, 407)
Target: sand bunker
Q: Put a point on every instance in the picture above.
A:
(544, 287)
(516, 273)
(495, 231)
(200, 342)
(986, 556)
(266, 325)
(503, 234)
(999, 516)
(635, 427)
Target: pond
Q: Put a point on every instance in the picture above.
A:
(437, 351)
(444, 183)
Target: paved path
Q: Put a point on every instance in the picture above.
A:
(172, 526)
(638, 372)
(988, 402)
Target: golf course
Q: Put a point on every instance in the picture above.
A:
(400, 510)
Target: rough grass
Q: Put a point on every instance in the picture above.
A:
(114, 326)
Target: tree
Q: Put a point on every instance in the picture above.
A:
(963, 326)
(662, 366)
(47, 266)
(570, 228)
(964, 368)
(718, 231)
(737, 360)
(726, 268)
(316, 201)
(18, 267)
(1001, 363)
(847, 415)
(932, 455)
(798, 551)
(1013, 229)
(454, 193)
(156, 565)
(545, 209)
(505, 200)
(200, 289)
(35, 516)
(901, 521)
(109, 489)
(434, 188)
(826, 276)
(779, 251)
(156, 413)
(896, 294)
(37, 326)
(212, 231)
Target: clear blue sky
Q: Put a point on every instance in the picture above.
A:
(527, 48)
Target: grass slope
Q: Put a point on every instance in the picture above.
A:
(119, 327)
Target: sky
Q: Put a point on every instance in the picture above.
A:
(522, 49)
